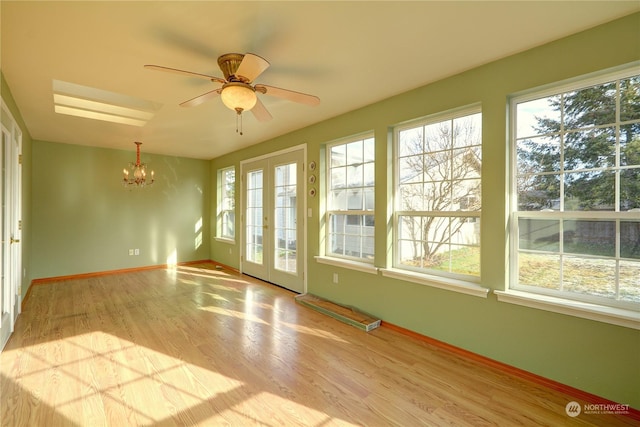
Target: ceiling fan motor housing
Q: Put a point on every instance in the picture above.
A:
(229, 64)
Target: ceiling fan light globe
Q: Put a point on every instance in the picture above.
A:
(238, 96)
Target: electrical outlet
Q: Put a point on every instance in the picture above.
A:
(136, 251)
(335, 277)
(130, 251)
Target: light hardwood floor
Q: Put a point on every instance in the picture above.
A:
(197, 346)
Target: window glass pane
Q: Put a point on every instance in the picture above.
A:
(291, 239)
(630, 189)
(355, 175)
(594, 148)
(590, 191)
(467, 130)
(436, 232)
(630, 145)
(410, 169)
(410, 249)
(437, 166)
(539, 234)
(410, 227)
(369, 150)
(369, 198)
(466, 195)
(630, 240)
(629, 283)
(537, 155)
(438, 136)
(596, 277)
(368, 173)
(338, 199)
(338, 156)
(458, 259)
(532, 114)
(352, 235)
(355, 200)
(538, 192)
(591, 106)
(590, 237)
(539, 270)
(410, 141)
(352, 220)
(338, 178)
(369, 222)
(412, 197)
(228, 225)
(440, 243)
(354, 153)
(630, 99)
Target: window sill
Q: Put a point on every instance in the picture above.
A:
(225, 240)
(599, 313)
(345, 263)
(437, 282)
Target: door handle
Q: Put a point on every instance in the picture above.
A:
(15, 240)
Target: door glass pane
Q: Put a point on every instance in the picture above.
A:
(285, 221)
(254, 216)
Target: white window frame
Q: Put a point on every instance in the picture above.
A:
(223, 214)
(443, 279)
(354, 262)
(604, 309)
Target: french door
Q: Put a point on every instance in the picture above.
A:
(10, 225)
(273, 236)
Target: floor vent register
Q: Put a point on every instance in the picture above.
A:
(342, 313)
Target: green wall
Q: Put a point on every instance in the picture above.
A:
(595, 357)
(85, 221)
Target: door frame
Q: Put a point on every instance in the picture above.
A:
(11, 217)
(303, 192)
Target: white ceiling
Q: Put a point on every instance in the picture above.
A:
(350, 54)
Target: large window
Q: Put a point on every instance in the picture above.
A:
(438, 196)
(350, 199)
(226, 203)
(576, 191)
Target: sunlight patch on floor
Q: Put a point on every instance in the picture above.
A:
(113, 378)
(313, 331)
(233, 313)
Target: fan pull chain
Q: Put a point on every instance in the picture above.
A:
(239, 119)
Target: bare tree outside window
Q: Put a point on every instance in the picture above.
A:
(439, 195)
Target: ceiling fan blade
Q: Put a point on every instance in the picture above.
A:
(251, 67)
(260, 112)
(201, 98)
(185, 73)
(290, 95)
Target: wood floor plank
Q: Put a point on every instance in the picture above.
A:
(199, 346)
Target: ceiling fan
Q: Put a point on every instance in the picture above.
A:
(237, 89)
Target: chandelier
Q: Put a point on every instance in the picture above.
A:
(136, 173)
